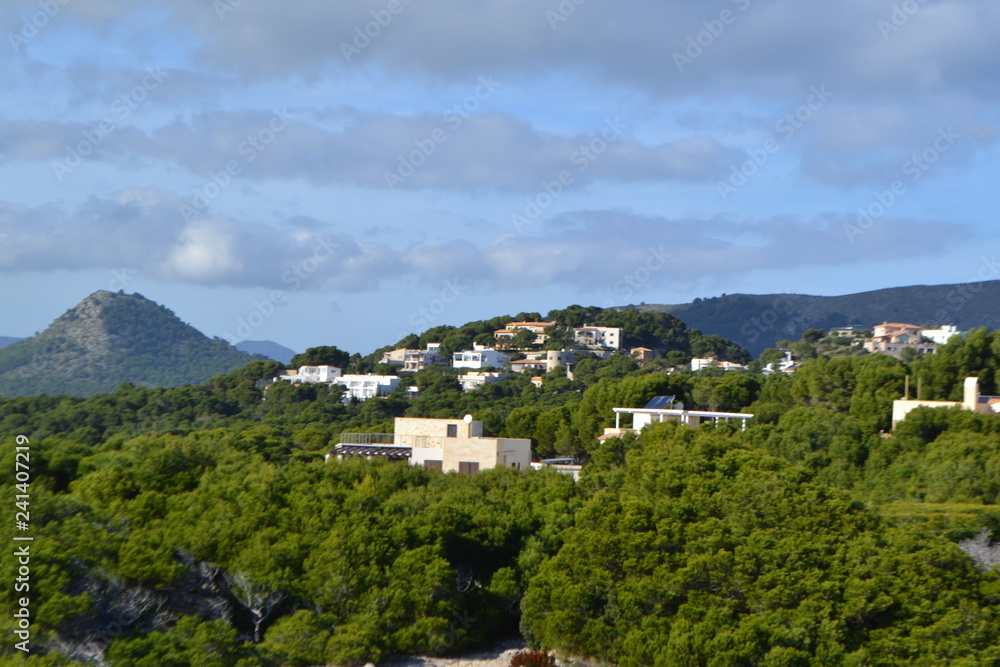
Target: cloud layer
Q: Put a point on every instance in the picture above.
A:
(634, 115)
(143, 229)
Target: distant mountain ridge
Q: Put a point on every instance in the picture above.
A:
(267, 348)
(110, 338)
(7, 340)
(758, 321)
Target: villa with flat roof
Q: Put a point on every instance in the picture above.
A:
(664, 409)
(450, 445)
(971, 400)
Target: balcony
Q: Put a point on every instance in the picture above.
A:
(370, 445)
(367, 439)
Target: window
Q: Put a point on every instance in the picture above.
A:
(452, 430)
(430, 464)
(468, 467)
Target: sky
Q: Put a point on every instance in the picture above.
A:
(344, 173)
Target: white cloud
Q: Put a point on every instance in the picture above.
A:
(583, 250)
(204, 254)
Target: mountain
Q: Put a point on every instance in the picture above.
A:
(7, 340)
(267, 348)
(112, 338)
(758, 321)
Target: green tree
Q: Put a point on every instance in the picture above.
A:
(324, 355)
(720, 555)
(524, 339)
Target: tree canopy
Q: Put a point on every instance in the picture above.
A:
(202, 525)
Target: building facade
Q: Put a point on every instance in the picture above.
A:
(603, 337)
(480, 356)
(665, 409)
(711, 362)
(363, 387)
(412, 361)
(473, 381)
(972, 400)
(449, 445)
(942, 335)
(310, 374)
(892, 338)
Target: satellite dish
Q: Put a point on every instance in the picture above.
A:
(678, 406)
(467, 419)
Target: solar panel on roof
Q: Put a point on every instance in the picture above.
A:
(660, 403)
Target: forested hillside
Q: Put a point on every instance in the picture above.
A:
(112, 338)
(200, 525)
(757, 321)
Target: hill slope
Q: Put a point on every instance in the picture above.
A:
(757, 321)
(7, 340)
(109, 339)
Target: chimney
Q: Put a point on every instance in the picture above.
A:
(971, 393)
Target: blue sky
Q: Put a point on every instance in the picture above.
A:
(320, 173)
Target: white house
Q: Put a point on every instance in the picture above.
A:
(664, 408)
(610, 337)
(310, 374)
(786, 365)
(698, 364)
(363, 387)
(480, 356)
(473, 381)
(525, 365)
(942, 335)
(413, 360)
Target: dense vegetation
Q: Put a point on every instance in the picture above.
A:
(109, 339)
(200, 525)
